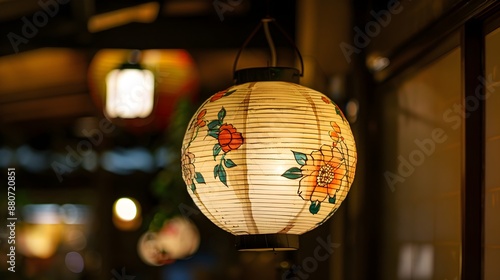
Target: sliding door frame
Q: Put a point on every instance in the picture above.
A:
(472, 22)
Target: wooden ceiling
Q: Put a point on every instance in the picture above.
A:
(46, 49)
(178, 24)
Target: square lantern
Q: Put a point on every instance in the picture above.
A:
(130, 92)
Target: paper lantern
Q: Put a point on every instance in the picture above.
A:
(177, 239)
(268, 159)
(130, 93)
(175, 77)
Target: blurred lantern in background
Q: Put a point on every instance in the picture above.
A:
(138, 90)
(130, 90)
(178, 238)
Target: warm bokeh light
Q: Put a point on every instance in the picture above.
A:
(39, 240)
(48, 227)
(127, 214)
(41, 230)
(126, 209)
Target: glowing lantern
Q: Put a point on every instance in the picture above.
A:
(177, 239)
(141, 94)
(268, 159)
(130, 93)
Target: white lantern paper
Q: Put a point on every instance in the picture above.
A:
(268, 157)
(129, 93)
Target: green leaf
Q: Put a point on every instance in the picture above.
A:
(214, 125)
(216, 171)
(300, 158)
(229, 163)
(229, 92)
(222, 175)
(337, 110)
(199, 178)
(314, 208)
(214, 133)
(332, 199)
(292, 173)
(221, 114)
(193, 187)
(216, 150)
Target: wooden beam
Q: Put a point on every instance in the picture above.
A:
(474, 161)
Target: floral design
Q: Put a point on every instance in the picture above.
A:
(335, 134)
(189, 173)
(228, 139)
(322, 176)
(221, 94)
(340, 113)
(199, 119)
(337, 110)
(322, 172)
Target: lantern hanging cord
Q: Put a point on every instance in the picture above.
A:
(134, 57)
(269, 39)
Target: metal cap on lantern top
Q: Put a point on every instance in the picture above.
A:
(268, 159)
(284, 74)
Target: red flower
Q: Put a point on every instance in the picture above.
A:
(218, 95)
(199, 119)
(229, 139)
(326, 100)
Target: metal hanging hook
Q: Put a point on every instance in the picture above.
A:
(265, 24)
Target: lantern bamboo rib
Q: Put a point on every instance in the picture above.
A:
(250, 221)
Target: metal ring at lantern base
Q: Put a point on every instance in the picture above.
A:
(284, 74)
(267, 242)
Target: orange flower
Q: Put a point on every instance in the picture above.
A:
(228, 138)
(335, 133)
(323, 174)
(218, 95)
